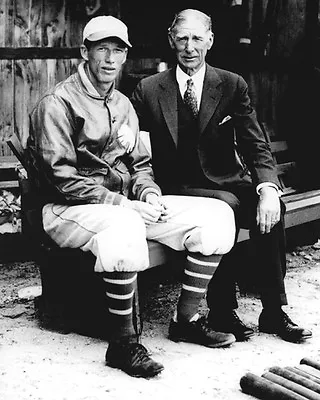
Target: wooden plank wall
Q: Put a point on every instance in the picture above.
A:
(269, 64)
(39, 46)
(39, 42)
(6, 70)
(265, 63)
(32, 24)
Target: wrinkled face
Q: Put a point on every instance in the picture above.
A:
(191, 41)
(105, 59)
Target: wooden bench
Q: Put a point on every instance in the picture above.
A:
(58, 267)
(8, 179)
(301, 206)
(158, 254)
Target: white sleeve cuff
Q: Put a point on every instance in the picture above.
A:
(271, 184)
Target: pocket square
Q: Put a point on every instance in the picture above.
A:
(225, 119)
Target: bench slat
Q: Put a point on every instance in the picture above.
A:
(302, 204)
(278, 146)
(9, 184)
(301, 215)
(301, 207)
(285, 167)
(311, 194)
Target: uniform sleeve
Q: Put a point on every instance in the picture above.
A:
(52, 130)
(140, 164)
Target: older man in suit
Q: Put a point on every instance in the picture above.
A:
(206, 141)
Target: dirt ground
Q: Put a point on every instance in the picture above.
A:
(39, 364)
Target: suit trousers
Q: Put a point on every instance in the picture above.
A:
(269, 269)
(117, 235)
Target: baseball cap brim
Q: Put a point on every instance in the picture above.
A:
(105, 34)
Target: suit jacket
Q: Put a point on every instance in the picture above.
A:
(232, 148)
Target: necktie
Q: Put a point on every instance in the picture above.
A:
(190, 98)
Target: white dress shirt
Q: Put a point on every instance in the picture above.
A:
(197, 79)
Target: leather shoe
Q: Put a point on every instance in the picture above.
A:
(132, 358)
(200, 333)
(230, 322)
(280, 324)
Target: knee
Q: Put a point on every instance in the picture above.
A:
(118, 250)
(228, 198)
(217, 234)
(122, 246)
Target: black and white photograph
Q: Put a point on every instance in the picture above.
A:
(159, 200)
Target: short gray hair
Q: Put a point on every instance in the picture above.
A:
(184, 14)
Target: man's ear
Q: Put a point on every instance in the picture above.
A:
(210, 40)
(171, 42)
(125, 56)
(84, 52)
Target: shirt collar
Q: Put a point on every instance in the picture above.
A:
(86, 81)
(197, 78)
(89, 86)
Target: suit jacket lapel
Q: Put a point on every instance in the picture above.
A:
(168, 103)
(211, 95)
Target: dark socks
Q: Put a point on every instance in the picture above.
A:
(197, 275)
(120, 290)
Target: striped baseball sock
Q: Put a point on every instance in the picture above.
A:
(197, 275)
(120, 289)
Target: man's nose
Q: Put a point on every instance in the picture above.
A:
(109, 57)
(189, 45)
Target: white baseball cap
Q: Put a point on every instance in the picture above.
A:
(105, 26)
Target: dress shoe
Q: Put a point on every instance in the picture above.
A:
(230, 322)
(132, 358)
(200, 333)
(280, 324)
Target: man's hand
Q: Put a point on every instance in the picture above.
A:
(151, 211)
(157, 202)
(268, 209)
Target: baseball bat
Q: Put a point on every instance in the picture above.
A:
(310, 370)
(310, 362)
(264, 389)
(304, 373)
(295, 387)
(294, 377)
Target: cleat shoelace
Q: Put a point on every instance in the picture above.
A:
(139, 354)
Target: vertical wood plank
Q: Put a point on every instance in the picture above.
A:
(77, 19)
(3, 20)
(26, 86)
(113, 7)
(32, 79)
(6, 81)
(6, 101)
(269, 82)
(6, 22)
(37, 10)
(54, 23)
(21, 36)
(290, 26)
